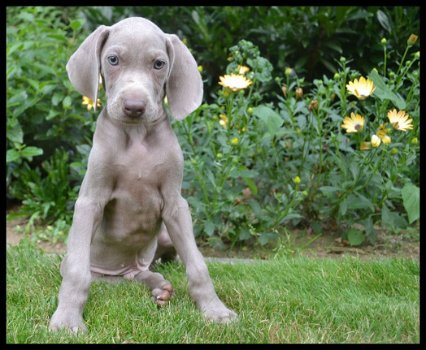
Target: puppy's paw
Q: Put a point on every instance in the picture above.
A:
(71, 321)
(217, 312)
(162, 295)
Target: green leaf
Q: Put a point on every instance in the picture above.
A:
(209, 228)
(251, 184)
(411, 200)
(76, 24)
(27, 152)
(392, 219)
(270, 119)
(370, 232)
(266, 237)
(329, 191)
(384, 21)
(12, 155)
(358, 201)
(355, 237)
(383, 92)
(14, 132)
(57, 98)
(66, 103)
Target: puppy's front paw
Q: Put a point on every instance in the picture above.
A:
(217, 312)
(71, 321)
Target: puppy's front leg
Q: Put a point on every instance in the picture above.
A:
(75, 268)
(177, 218)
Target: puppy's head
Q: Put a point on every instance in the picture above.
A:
(139, 64)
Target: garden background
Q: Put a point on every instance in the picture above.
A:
(304, 149)
(261, 162)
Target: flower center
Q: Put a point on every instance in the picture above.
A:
(357, 127)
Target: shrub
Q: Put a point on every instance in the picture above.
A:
(258, 158)
(253, 167)
(42, 118)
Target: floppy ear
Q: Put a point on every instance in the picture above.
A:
(84, 65)
(184, 87)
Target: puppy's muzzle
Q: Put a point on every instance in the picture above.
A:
(134, 108)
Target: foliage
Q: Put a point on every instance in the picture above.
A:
(42, 118)
(256, 159)
(258, 166)
(307, 38)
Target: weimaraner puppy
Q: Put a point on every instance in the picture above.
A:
(130, 199)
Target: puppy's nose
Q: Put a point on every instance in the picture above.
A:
(134, 108)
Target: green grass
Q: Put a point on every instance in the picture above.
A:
(287, 300)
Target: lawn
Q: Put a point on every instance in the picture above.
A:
(283, 300)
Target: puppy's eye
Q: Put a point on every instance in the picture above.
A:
(113, 60)
(158, 64)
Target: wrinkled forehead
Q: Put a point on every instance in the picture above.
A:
(137, 33)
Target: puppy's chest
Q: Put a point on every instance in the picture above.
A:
(140, 168)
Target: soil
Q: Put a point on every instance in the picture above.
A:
(406, 244)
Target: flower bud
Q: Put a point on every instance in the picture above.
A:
(288, 71)
(383, 41)
(250, 110)
(336, 76)
(284, 89)
(414, 140)
(386, 140)
(200, 68)
(364, 146)
(299, 93)
(296, 180)
(235, 141)
(394, 151)
(342, 60)
(412, 40)
(375, 141)
(313, 105)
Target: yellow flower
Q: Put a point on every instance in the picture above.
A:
(365, 146)
(235, 141)
(234, 82)
(353, 124)
(243, 69)
(400, 120)
(361, 88)
(375, 141)
(89, 102)
(223, 120)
